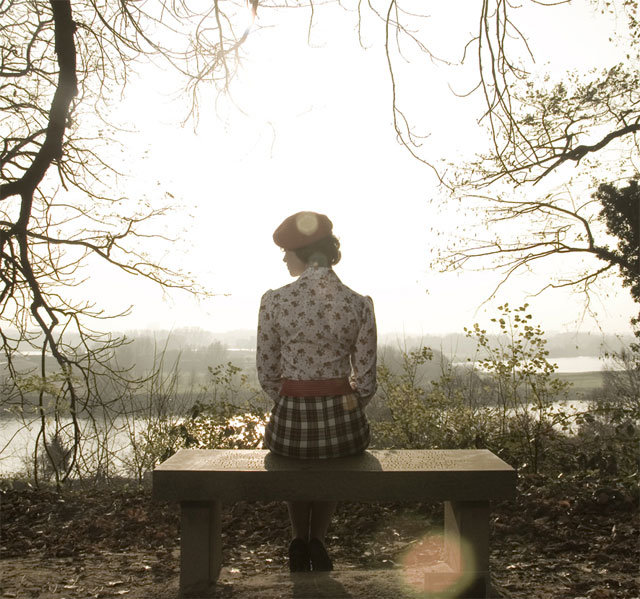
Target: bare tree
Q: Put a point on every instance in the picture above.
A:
(55, 68)
(539, 128)
(536, 128)
(60, 63)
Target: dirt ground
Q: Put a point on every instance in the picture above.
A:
(558, 540)
(88, 577)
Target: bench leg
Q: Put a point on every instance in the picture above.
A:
(200, 547)
(466, 540)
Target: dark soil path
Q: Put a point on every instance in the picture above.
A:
(560, 539)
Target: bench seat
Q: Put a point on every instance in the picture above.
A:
(465, 480)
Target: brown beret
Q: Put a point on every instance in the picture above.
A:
(302, 229)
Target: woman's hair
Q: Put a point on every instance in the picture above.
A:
(324, 252)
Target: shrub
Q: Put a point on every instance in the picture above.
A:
(505, 403)
(231, 414)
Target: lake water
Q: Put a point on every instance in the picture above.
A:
(574, 364)
(580, 364)
(17, 441)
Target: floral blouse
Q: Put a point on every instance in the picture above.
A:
(316, 328)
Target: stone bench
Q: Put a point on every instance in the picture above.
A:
(465, 480)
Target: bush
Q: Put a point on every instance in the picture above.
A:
(230, 415)
(608, 434)
(414, 416)
(505, 403)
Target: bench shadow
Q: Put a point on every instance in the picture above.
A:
(319, 585)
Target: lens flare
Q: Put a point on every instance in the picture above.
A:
(307, 223)
(426, 574)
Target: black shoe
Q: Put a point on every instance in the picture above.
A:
(299, 556)
(320, 560)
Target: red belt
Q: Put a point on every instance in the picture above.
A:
(322, 387)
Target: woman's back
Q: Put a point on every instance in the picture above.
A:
(316, 358)
(319, 324)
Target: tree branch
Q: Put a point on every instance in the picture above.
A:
(66, 90)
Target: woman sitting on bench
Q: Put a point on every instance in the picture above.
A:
(316, 358)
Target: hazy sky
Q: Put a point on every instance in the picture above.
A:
(316, 134)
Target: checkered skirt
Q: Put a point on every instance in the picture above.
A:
(317, 427)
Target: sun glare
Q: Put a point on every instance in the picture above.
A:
(425, 572)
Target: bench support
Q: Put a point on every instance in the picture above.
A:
(465, 479)
(200, 547)
(466, 540)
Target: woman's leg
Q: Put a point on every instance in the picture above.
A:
(300, 516)
(321, 513)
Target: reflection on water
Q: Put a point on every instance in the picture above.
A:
(17, 439)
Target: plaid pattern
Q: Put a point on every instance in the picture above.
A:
(317, 427)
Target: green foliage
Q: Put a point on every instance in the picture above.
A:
(443, 415)
(507, 401)
(621, 214)
(608, 436)
(620, 393)
(51, 385)
(411, 421)
(521, 385)
(232, 415)
(228, 426)
(507, 404)
(54, 456)
(603, 446)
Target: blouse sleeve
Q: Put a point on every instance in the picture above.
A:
(268, 349)
(364, 355)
